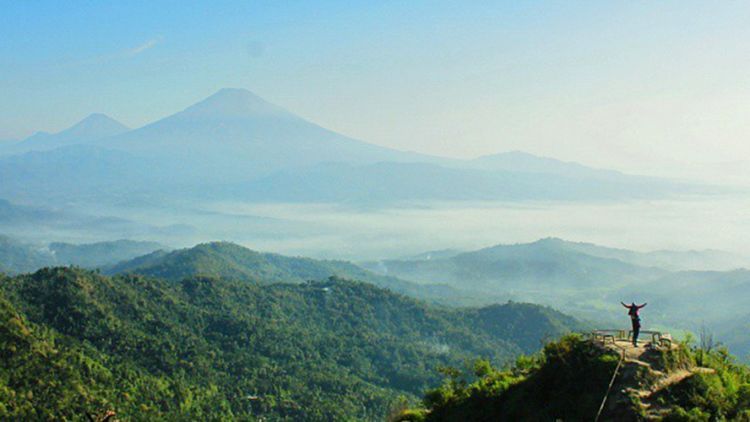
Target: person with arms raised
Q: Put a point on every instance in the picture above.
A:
(635, 319)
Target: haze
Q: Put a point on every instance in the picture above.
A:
(639, 87)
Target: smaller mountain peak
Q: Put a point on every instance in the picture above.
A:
(96, 125)
(97, 117)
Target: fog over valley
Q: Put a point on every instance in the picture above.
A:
(377, 211)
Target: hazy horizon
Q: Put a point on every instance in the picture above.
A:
(619, 85)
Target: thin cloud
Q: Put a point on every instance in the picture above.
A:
(143, 47)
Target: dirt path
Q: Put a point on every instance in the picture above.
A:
(640, 379)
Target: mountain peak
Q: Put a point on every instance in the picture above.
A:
(234, 102)
(95, 125)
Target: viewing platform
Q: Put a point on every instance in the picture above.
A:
(623, 339)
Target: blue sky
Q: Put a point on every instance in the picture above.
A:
(630, 85)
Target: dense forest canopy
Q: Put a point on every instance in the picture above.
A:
(74, 342)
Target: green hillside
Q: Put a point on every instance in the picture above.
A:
(228, 260)
(205, 348)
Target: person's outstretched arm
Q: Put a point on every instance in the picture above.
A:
(641, 306)
(624, 305)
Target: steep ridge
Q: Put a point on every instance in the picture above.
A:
(645, 374)
(577, 378)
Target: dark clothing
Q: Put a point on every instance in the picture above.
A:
(635, 319)
(636, 329)
(633, 309)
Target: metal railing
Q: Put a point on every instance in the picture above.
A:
(658, 338)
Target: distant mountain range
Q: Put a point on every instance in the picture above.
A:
(684, 290)
(19, 257)
(697, 260)
(236, 145)
(547, 271)
(553, 258)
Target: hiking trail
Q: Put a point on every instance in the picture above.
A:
(641, 377)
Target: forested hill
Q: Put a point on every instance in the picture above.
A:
(229, 260)
(75, 342)
(232, 261)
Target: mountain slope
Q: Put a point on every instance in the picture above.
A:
(545, 272)
(239, 135)
(228, 260)
(205, 348)
(83, 172)
(545, 264)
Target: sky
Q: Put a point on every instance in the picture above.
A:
(635, 86)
